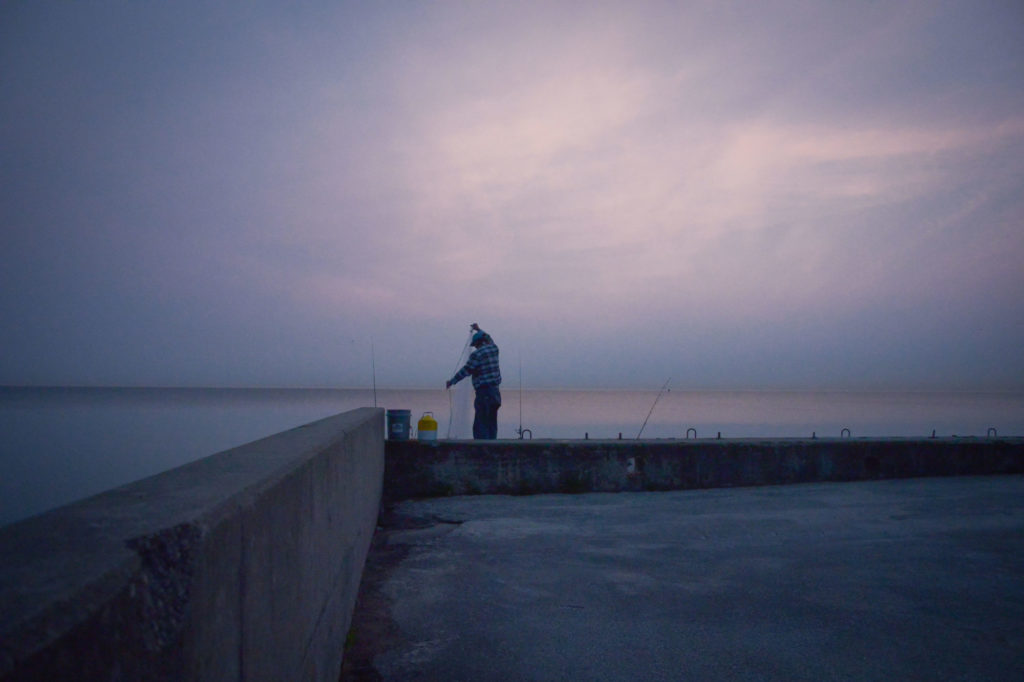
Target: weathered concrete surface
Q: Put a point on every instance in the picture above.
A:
(885, 580)
(242, 566)
(568, 466)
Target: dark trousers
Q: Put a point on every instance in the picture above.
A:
(485, 423)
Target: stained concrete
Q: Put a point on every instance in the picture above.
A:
(908, 579)
(519, 467)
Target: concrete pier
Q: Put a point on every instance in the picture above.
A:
(246, 565)
(518, 467)
(241, 566)
(703, 566)
(915, 579)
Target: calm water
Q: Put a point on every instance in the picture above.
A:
(59, 445)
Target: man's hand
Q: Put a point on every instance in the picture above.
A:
(447, 384)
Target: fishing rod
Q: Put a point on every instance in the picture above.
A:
(521, 431)
(373, 371)
(520, 395)
(663, 388)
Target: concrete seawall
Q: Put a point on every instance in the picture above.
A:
(557, 466)
(244, 565)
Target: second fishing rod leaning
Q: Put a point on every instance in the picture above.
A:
(649, 413)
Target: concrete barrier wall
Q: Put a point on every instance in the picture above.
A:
(242, 566)
(550, 466)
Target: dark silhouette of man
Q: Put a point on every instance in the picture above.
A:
(482, 365)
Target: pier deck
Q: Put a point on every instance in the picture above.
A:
(896, 579)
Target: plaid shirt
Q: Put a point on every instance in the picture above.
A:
(483, 366)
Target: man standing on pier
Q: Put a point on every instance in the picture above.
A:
(483, 366)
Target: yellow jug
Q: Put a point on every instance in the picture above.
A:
(426, 427)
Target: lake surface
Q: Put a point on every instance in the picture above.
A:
(58, 445)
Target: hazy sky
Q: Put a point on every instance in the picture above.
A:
(731, 194)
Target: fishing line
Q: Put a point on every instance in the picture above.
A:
(459, 362)
(652, 407)
(458, 365)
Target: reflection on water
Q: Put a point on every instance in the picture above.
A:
(61, 444)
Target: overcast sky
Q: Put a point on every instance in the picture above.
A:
(731, 194)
